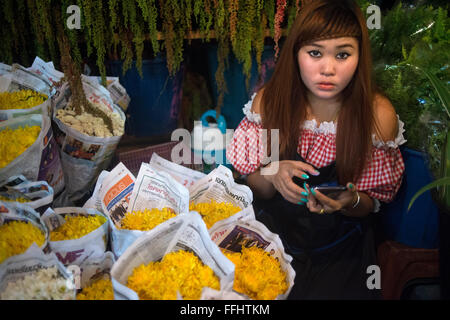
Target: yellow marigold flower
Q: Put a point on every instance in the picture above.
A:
(214, 211)
(178, 271)
(17, 236)
(77, 227)
(101, 289)
(14, 142)
(23, 99)
(19, 199)
(257, 274)
(147, 219)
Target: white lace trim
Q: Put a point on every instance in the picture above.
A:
(251, 116)
(323, 128)
(399, 140)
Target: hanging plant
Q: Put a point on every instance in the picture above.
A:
(279, 18)
(150, 16)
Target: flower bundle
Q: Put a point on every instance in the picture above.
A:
(13, 142)
(214, 211)
(180, 271)
(17, 236)
(257, 274)
(76, 227)
(23, 99)
(101, 289)
(43, 284)
(147, 219)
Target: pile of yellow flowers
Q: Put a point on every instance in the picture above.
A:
(101, 289)
(19, 199)
(14, 142)
(214, 211)
(147, 219)
(257, 274)
(77, 227)
(178, 271)
(17, 236)
(23, 99)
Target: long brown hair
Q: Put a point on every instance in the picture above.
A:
(284, 99)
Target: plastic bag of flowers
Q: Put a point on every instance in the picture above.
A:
(175, 260)
(95, 278)
(75, 234)
(87, 141)
(24, 92)
(20, 227)
(37, 195)
(216, 196)
(263, 270)
(156, 198)
(34, 275)
(28, 148)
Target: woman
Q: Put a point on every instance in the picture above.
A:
(333, 128)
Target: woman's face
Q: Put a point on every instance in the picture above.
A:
(327, 66)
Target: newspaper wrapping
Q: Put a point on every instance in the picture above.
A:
(14, 211)
(39, 194)
(41, 161)
(183, 232)
(219, 185)
(33, 260)
(76, 251)
(186, 176)
(19, 78)
(121, 194)
(83, 157)
(233, 233)
(118, 93)
(93, 269)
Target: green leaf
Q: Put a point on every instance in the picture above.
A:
(434, 184)
(441, 90)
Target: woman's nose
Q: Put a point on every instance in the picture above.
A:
(327, 67)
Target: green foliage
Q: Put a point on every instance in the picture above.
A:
(416, 36)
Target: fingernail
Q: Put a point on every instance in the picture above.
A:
(350, 185)
(315, 173)
(305, 193)
(304, 200)
(305, 176)
(300, 203)
(304, 186)
(313, 192)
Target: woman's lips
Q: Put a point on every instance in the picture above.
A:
(326, 85)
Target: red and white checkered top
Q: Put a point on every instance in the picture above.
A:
(380, 179)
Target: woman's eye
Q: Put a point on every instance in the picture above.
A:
(342, 55)
(314, 53)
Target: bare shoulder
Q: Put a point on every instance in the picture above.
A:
(256, 105)
(386, 119)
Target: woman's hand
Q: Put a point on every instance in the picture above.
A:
(282, 179)
(320, 203)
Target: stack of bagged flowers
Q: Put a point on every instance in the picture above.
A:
(13, 142)
(17, 236)
(257, 274)
(180, 271)
(23, 99)
(214, 211)
(147, 219)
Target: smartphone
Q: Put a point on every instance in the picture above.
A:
(330, 191)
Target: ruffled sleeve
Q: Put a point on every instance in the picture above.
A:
(383, 174)
(245, 150)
